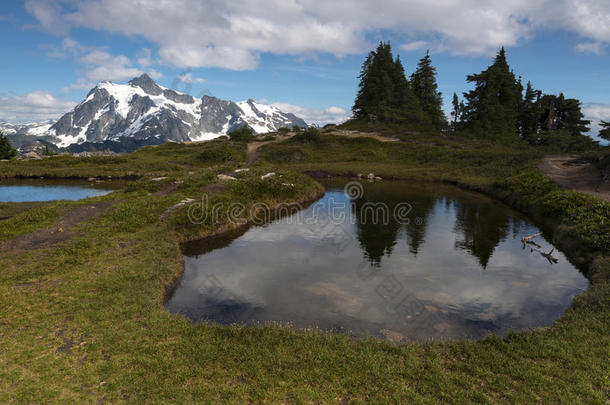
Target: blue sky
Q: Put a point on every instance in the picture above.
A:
(301, 55)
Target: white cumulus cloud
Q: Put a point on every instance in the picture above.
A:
(596, 48)
(233, 34)
(596, 112)
(318, 116)
(99, 64)
(34, 106)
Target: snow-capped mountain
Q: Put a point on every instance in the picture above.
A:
(34, 128)
(22, 134)
(147, 113)
(142, 109)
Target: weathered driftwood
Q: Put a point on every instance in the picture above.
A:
(526, 238)
(536, 247)
(529, 242)
(548, 256)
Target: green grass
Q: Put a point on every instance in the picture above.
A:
(423, 157)
(24, 218)
(84, 321)
(169, 158)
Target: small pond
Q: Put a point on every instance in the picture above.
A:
(445, 264)
(28, 190)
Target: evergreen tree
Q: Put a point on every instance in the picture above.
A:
(562, 124)
(530, 114)
(604, 133)
(558, 113)
(384, 94)
(363, 105)
(456, 113)
(425, 88)
(6, 150)
(492, 108)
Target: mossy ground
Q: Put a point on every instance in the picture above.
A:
(83, 320)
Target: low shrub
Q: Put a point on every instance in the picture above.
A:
(309, 135)
(243, 134)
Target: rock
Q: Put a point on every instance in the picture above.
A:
(288, 184)
(241, 170)
(158, 179)
(32, 155)
(371, 176)
(359, 175)
(377, 178)
(442, 326)
(91, 179)
(393, 336)
(267, 176)
(225, 177)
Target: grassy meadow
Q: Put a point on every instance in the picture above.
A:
(83, 317)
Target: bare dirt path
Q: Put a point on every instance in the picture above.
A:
(61, 231)
(358, 134)
(575, 174)
(253, 148)
(252, 152)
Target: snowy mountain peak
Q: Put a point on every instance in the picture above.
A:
(143, 111)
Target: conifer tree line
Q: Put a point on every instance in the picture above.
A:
(498, 107)
(386, 95)
(604, 133)
(6, 150)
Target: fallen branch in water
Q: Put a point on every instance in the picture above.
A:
(548, 256)
(527, 240)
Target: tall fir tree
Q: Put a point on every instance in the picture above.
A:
(604, 133)
(456, 112)
(6, 150)
(530, 113)
(559, 113)
(384, 94)
(492, 108)
(425, 88)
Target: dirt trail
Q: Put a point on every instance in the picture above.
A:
(358, 134)
(575, 174)
(61, 231)
(252, 152)
(253, 148)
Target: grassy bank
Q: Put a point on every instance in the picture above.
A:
(84, 319)
(420, 157)
(162, 160)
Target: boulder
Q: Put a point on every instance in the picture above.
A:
(225, 177)
(31, 155)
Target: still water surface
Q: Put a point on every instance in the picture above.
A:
(50, 190)
(453, 267)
